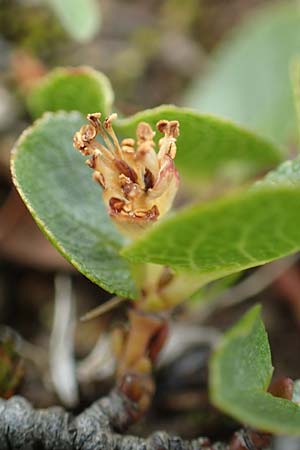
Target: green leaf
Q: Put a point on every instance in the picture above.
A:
(229, 235)
(249, 79)
(208, 294)
(295, 79)
(208, 146)
(70, 89)
(57, 188)
(240, 373)
(80, 18)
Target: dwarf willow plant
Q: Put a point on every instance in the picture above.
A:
(159, 262)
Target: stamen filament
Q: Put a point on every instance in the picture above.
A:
(108, 127)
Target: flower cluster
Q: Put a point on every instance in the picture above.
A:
(139, 184)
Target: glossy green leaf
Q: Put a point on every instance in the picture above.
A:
(80, 18)
(240, 373)
(249, 80)
(56, 186)
(226, 236)
(208, 146)
(71, 89)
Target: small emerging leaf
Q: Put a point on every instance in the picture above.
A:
(240, 373)
(71, 89)
(57, 188)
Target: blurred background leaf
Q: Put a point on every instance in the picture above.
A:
(80, 18)
(80, 89)
(295, 79)
(248, 80)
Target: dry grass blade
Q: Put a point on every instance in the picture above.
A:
(102, 309)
